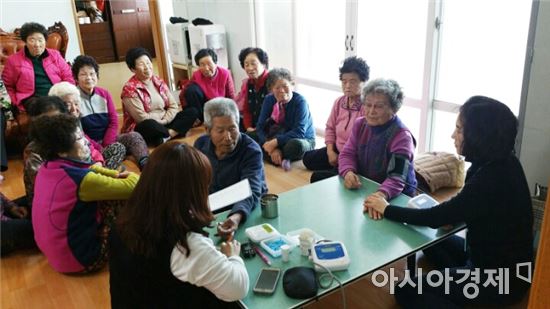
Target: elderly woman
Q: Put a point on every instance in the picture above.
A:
(495, 204)
(161, 256)
(285, 127)
(324, 162)
(98, 115)
(71, 217)
(234, 157)
(209, 82)
(114, 154)
(148, 105)
(380, 146)
(255, 62)
(33, 156)
(34, 69)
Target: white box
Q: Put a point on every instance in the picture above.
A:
(178, 43)
(209, 36)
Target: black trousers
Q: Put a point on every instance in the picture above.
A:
(317, 161)
(3, 152)
(154, 133)
(450, 254)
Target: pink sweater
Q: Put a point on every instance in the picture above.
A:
(340, 121)
(18, 74)
(220, 85)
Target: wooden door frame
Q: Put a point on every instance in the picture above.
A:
(158, 37)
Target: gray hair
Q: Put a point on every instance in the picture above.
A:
(220, 107)
(63, 89)
(276, 74)
(388, 87)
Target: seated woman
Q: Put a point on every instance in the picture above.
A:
(148, 105)
(255, 62)
(161, 257)
(324, 161)
(380, 146)
(285, 127)
(494, 203)
(70, 216)
(34, 69)
(208, 82)
(113, 155)
(33, 156)
(98, 115)
(234, 157)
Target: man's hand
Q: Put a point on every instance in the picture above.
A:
(227, 228)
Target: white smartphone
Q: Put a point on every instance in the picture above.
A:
(267, 281)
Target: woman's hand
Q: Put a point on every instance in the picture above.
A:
(270, 146)
(351, 180)
(276, 157)
(251, 129)
(375, 204)
(332, 157)
(19, 212)
(230, 248)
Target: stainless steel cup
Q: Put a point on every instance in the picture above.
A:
(270, 206)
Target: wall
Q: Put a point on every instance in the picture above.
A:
(45, 12)
(236, 16)
(535, 145)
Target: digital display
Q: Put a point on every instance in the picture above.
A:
(267, 228)
(267, 280)
(421, 201)
(328, 249)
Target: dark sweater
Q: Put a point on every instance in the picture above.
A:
(139, 282)
(245, 162)
(495, 204)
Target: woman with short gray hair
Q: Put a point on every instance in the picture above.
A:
(285, 127)
(380, 146)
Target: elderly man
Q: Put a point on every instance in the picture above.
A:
(234, 157)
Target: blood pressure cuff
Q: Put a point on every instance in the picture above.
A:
(300, 282)
(399, 166)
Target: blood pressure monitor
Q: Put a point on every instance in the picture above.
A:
(332, 255)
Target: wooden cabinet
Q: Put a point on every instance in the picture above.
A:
(131, 26)
(98, 41)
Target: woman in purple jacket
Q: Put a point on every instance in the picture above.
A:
(380, 146)
(324, 161)
(34, 69)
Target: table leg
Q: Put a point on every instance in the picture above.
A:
(411, 264)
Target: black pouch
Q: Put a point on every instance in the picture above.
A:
(300, 282)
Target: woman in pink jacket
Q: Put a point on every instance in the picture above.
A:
(34, 69)
(324, 162)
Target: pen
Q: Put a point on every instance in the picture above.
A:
(262, 256)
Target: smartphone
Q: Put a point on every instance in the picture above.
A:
(267, 281)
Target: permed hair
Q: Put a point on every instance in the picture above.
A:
(205, 52)
(260, 53)
(388, 87)
(81, 61)
(220, 107)
(355, 65)
(63, 89)
(133, 54)
(277, 74)
(489, 129)
(32, 27)
(54, 134)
